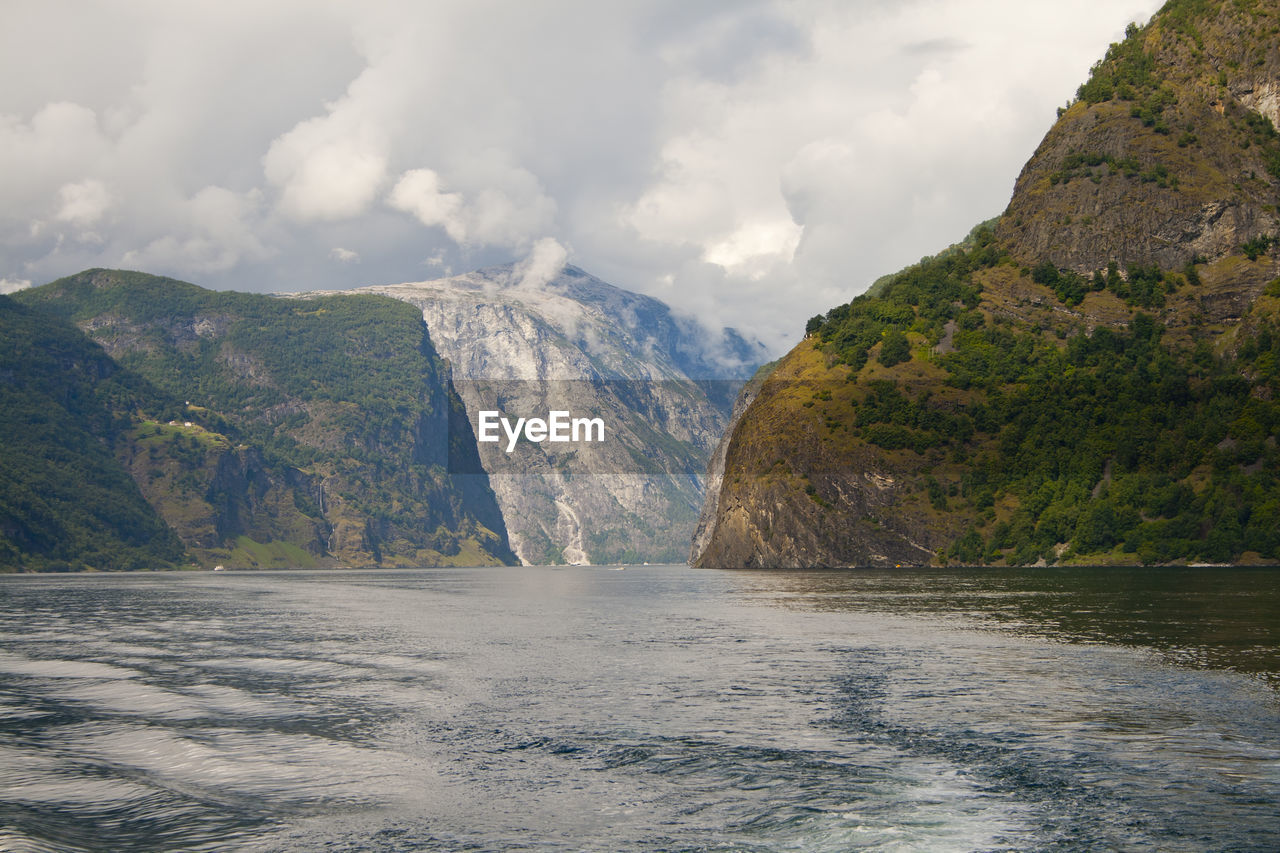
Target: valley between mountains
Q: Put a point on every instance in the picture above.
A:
(151, 423)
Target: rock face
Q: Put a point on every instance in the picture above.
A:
(289, 432)
(1162, 158)
(789, 497)
(1142, 233)
(574, 343)
(709, 518)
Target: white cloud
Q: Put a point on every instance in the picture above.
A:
(212, 231)
(9, 285)
(756, 247)
(543, 264)
(501, 216)
(345, 256)
(49, 160)
(83, 203)
(326, 171)
(752, 162)
(508, 207)
(418, 192)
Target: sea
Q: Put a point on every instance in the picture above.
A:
(641, 708)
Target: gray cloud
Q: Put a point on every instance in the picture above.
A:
(935, 47)
(750, 163)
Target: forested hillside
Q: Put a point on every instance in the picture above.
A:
(65, 501)
(305, 432)
(1092, 377)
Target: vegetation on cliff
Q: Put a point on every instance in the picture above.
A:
(299, 432)
(1094, 445)
(65, 501)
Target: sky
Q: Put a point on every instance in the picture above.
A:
(752, 163)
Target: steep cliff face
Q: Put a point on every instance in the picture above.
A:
(1094, 379)
(709, 517)
(311, 432)
(574, 343)
(797, 493)
(1164, 156)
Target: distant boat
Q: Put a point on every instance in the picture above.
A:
(219, 568)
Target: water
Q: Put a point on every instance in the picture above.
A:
(653, 709)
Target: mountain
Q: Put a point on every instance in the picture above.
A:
(268, 432)
(526, 345)
(1091, 378)
(66, 503)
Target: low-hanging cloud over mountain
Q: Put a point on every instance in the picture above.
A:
(752, 161)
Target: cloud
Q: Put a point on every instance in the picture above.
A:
(212, 231)
(418, 192)
(326, 170)
(46, 166)
(83, 203)
(345, 256)
(8, 285)
(508, 207)
(756, 247)
(543, 264)
(751, 163)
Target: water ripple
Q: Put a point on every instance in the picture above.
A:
(662, 709)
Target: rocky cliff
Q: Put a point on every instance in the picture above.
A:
(1165, 156)
(571, 342)
(709, 517)
(1092, 379)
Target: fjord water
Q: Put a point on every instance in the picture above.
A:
(656, 708)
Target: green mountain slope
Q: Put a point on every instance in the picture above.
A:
(1094, 379)
(312, 432)
(65, 501)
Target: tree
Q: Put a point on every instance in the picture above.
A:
(894, 348)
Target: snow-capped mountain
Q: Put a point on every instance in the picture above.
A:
(526, 345)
